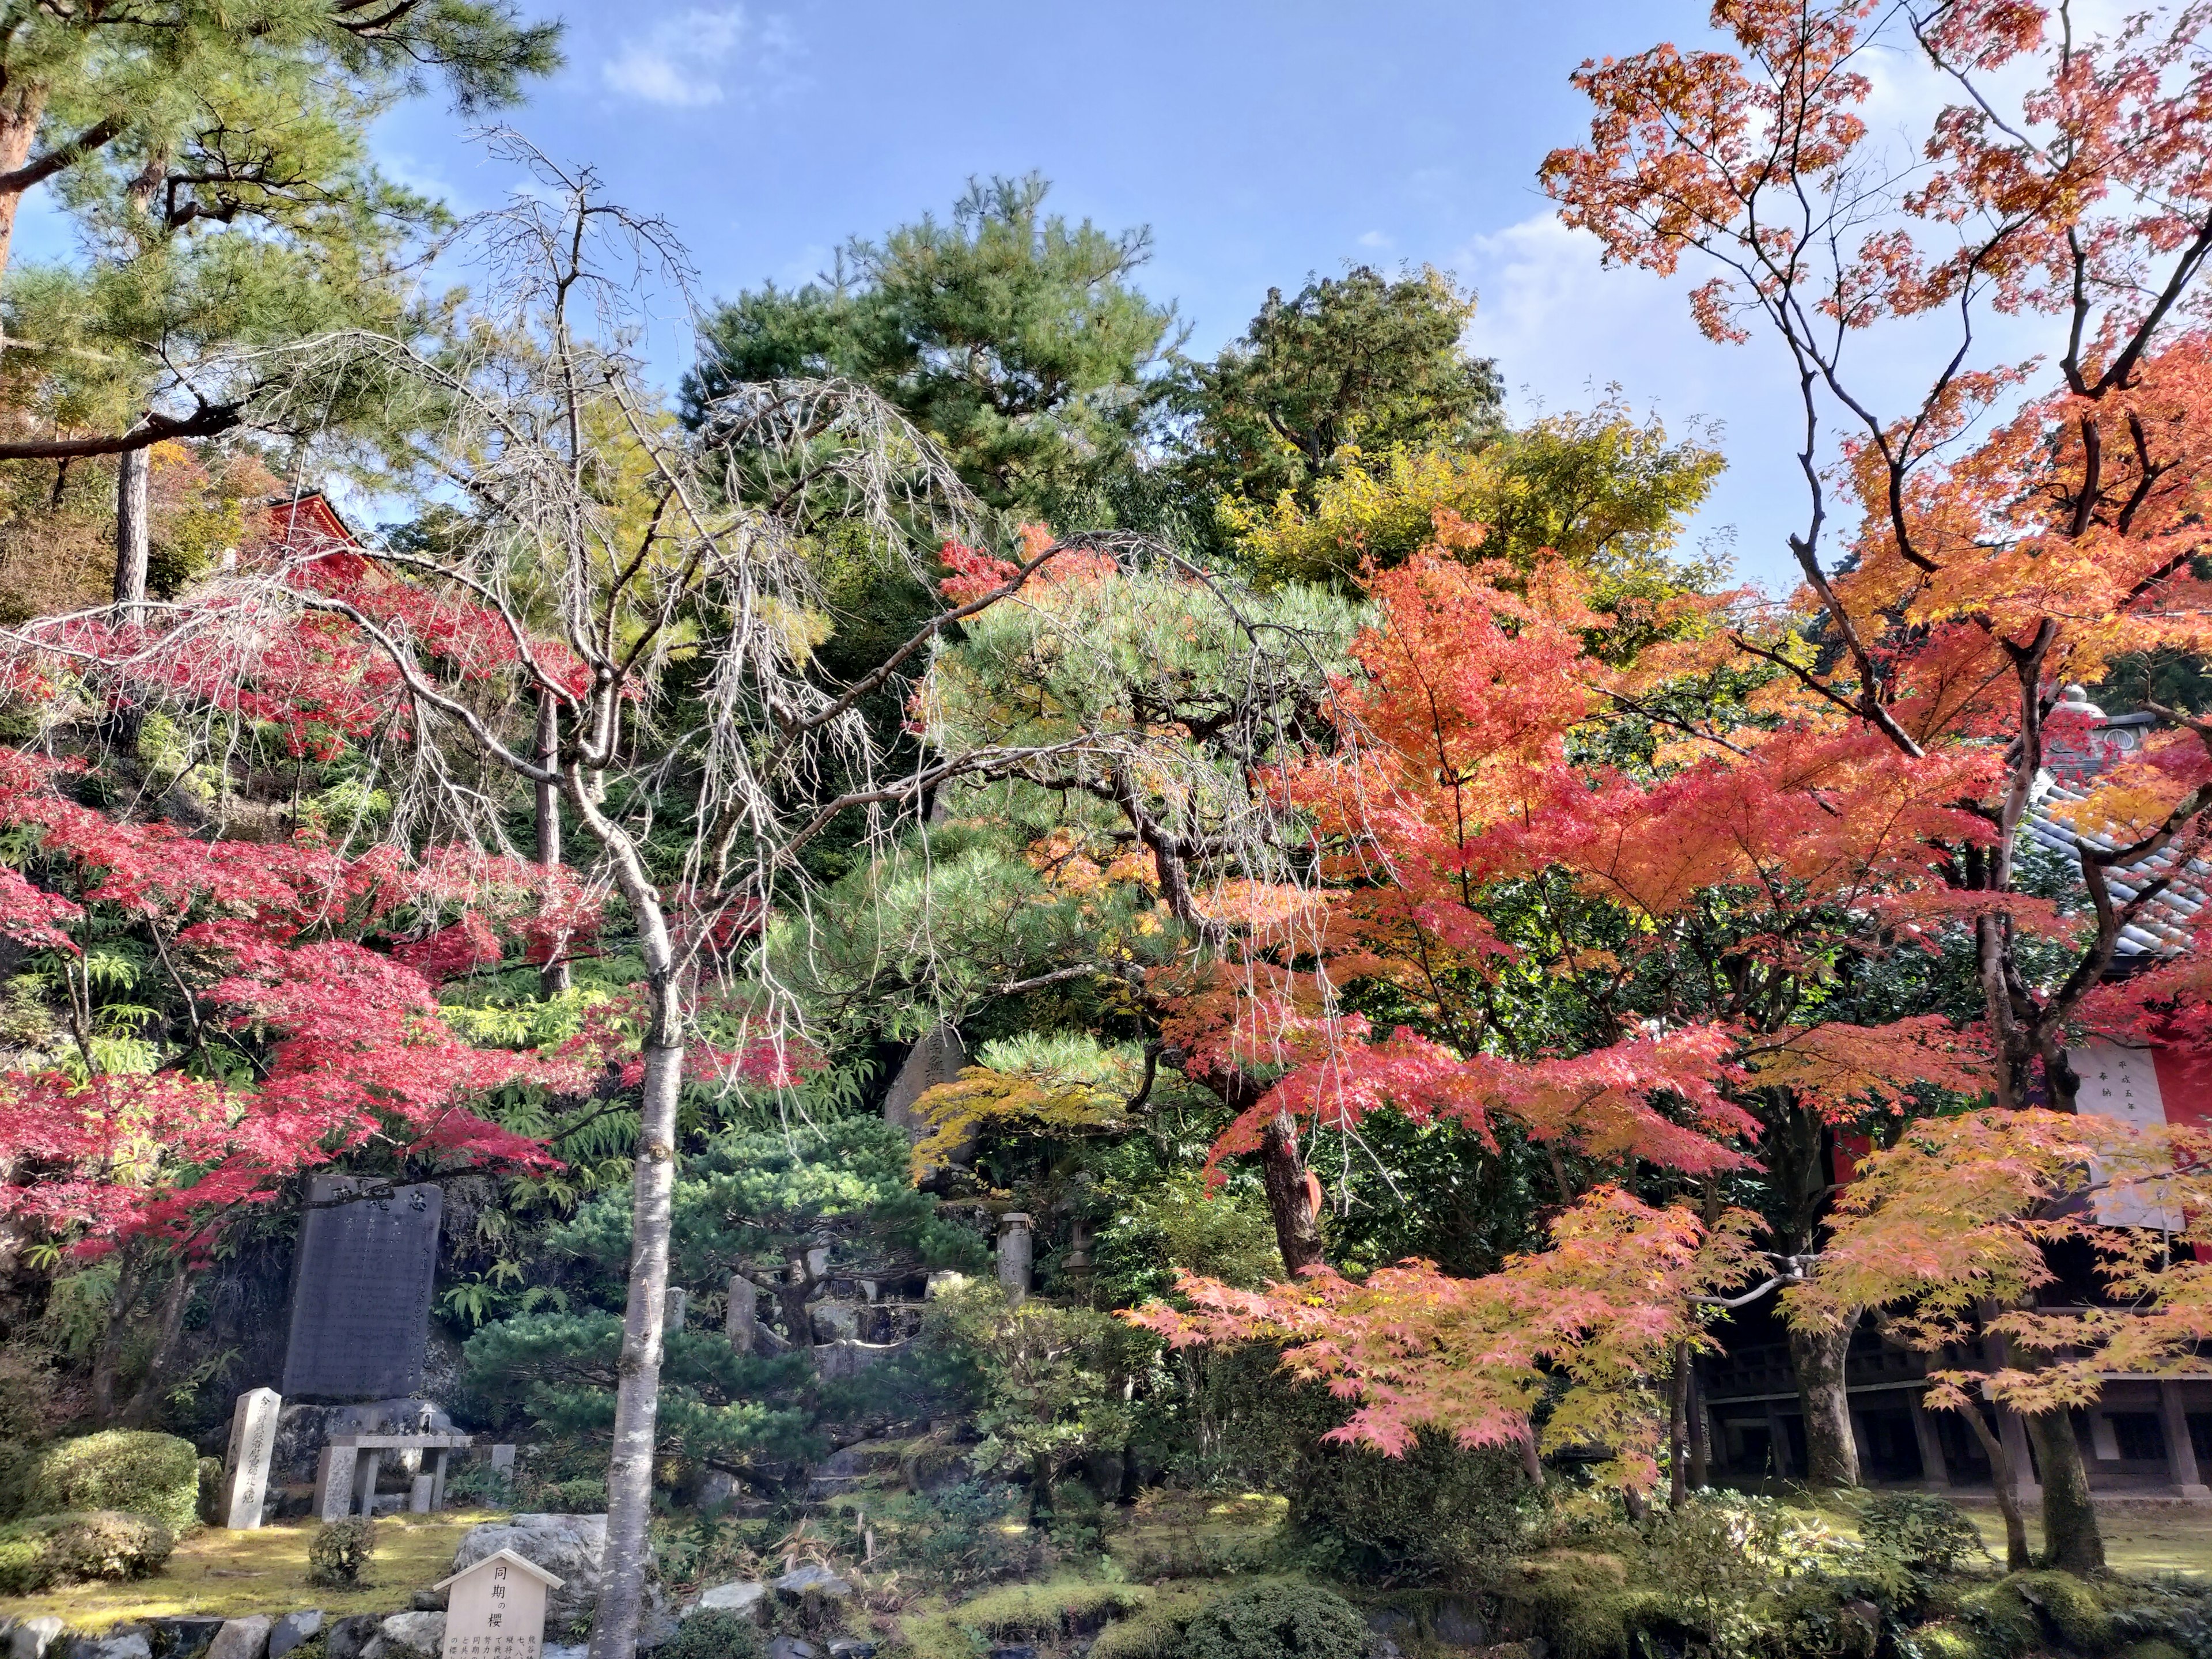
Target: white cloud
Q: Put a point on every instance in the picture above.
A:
(688, 60)
(1376, 238)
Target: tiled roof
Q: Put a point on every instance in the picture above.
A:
(2165, 925)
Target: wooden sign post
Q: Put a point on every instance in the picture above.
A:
(498, 1608)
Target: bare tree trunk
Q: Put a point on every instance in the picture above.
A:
(1832, 1456)
(637, 1394)
(107, 1363)
(1701, 1451)
(2071, 1539)
(2007, 1479)
(1678, 1427)
(20, 112)
(1289, 1199)
(131, 470)
(140, 1410)
(553, 979)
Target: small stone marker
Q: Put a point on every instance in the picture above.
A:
(498, 1608)
(1014, 1254)
(678, 1302)
(744, 1314)
(502, 1460)
(245, 1466)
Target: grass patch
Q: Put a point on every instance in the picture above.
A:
(225, 1574)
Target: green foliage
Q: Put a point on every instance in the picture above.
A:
(713, 1634)
(148, 1474)
(1179, 1226)
(1441, 1514)
(1287, 1620)
(964, 1538)
(339, 1552)
(1012, 339)
(50, 1549)
(16, 1464)
(1360, 360)
(209, 1506)
(1926, 1533)
(1049, 1380)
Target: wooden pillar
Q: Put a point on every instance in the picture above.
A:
(1777, 1439)
(1933, 1469)
(2180, 1455)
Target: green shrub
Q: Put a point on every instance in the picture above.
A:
(1439, 1514)
(1277, 1621)
(338, 1553)
(155, 1474)
(1928, 1534)
(583, 1496)
(211, 1493)
(16, 1465)
(50, 1549)
(713, 1634)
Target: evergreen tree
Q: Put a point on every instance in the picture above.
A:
(1011, 338)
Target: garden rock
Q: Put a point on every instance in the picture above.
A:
(31, 1638)
(851, 1647)
(186, 1636)
(1457, 1625)
(347, 1637)
(241, 1638)
(124, 1641)
(811, 1580)
(569, 1546)
(1025, 1650)
(792, 1647)
(741, 1596)
(407, 1635)
(293, 1629)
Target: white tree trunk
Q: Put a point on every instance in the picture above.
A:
(132, 545)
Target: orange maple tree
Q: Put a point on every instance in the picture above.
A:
(2013, 526)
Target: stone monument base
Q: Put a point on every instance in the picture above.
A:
(302, 1432)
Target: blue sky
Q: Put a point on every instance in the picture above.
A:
(1259, 140)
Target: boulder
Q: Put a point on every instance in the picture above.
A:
(742, 1596)
(811, 1580)
(569, 1546)
(188, 1637)
(836, 1322)
(1458, 1624)
(123, 1643)
(31, 1638)
(407, 1635)
(241, 1638)
(345, 1638)
(293, 1629)
(792, 1647)
(851, 1647)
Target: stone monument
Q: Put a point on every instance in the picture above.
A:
(496, 1609)
(360, 1290)
(245, 1466)
(1015, 1253)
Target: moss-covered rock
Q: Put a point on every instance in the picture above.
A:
(2154, 1649)
(50, 1549)
(1016, 1613)
(147, 1473)
(1949, 1638)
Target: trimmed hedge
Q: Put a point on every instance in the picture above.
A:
(155, 1474)
(90, 1544)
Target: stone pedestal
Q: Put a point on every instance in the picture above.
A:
(677, 1304)
(245, 1466)
(1015, 1253)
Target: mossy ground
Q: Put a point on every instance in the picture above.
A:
(2146, 1539)
(219, 1572)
